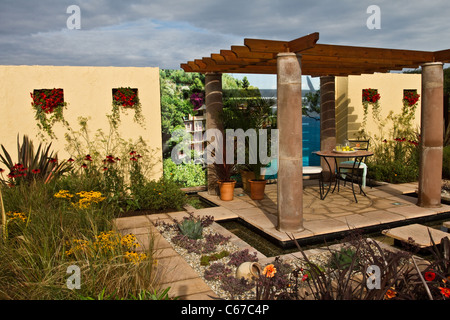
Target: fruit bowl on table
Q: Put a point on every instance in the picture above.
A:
(344, 151)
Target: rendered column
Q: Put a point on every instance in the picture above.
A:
(214, 108)
(430, 168)
(289, 120)
(327, 121)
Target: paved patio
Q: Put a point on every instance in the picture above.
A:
(338, 212)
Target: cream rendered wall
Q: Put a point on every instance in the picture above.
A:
(349, 108)
(88, 92)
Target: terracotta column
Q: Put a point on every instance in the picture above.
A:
(327, 121)
(214, 108)
(289, 120)
(430, 170)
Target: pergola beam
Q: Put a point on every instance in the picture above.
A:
(259, 56)
(303, 43)
(442, 56)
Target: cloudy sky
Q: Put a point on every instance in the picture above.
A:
(165, 33)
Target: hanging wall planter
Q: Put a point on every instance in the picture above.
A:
(48, 105)
(123, 99)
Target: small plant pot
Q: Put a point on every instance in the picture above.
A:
(226, 190)
(248, 270)
(257, 188)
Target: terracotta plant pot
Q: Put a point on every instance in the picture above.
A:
(226, 190)
(248, 270)
(257, 188)
(246, 176)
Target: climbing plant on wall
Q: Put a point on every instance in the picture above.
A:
(123, 99)
(48, 105)
(371, 97)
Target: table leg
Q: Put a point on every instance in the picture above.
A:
(322, 188)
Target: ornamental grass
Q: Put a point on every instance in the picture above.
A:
(47, 231)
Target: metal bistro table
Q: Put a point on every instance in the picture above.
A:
(358, 157)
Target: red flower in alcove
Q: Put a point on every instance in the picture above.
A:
(410, 97)
(370, 95)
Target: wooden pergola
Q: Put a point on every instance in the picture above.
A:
(304, 56)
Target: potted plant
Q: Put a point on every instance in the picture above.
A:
(261, 115)
(249, 113)
(224, 173)
(258, 183)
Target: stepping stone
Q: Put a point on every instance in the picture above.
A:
(418, 232)
(446, 226)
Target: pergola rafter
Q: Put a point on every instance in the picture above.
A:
(259, 56)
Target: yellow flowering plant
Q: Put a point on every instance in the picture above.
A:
(107, 244)
(16, 222)
(84, 199)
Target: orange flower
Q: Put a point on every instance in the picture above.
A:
(445, 292)
(269, 271)
(390, 293)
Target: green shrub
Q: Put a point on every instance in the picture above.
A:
(393, 172)
(157, 196)
(344, 258)
(185, 174)
(205, 260)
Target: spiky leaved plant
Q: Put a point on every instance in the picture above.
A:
(193, 229)
(40, 165)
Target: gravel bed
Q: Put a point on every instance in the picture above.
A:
(193, 259)
(319, 257)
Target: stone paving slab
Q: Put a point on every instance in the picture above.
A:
(446, 224)
(419, 233)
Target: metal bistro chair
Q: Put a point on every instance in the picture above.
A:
(353, 171)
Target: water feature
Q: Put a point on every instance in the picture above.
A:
(270, 248)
